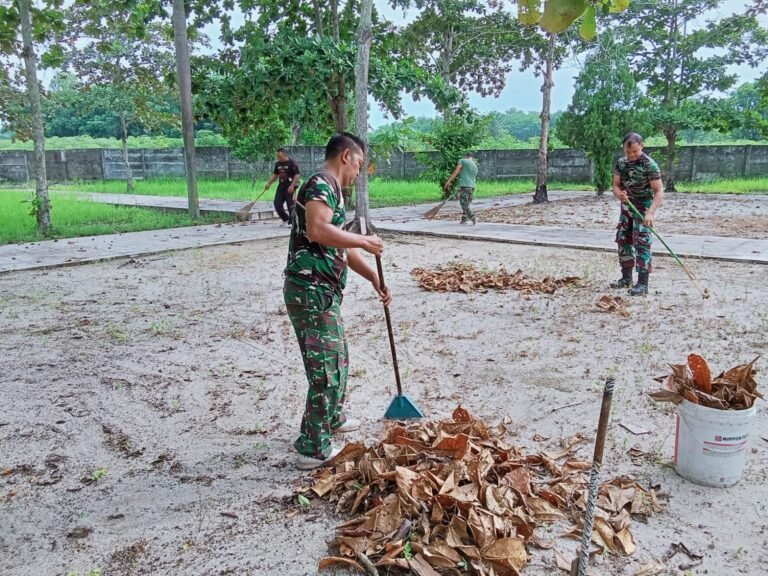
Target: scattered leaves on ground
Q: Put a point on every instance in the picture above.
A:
(734, 389)
(615, 304)
(432, 496)
(460, 277)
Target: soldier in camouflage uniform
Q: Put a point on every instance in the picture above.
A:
(637, 178)
(466, 170)
(319, 253)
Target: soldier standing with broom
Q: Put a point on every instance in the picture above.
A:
(636, 178)
(319, 253)
(287, 173)
(466, 169)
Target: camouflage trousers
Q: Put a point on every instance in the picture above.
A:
(465, 199)
(633, 238)
(316, 318)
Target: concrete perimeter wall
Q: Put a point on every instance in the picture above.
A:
(694, 163)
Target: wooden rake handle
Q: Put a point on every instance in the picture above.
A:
(383, 287)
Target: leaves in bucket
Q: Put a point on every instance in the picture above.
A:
(702, 375)
(438, 495)
(734, 389)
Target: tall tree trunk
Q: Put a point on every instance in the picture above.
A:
(124, 141)
(670, 133)
(364, 37)
(546, 89)
(446, 60)
(296, 133)
(42, 201)
(185, 91)
(335, 19)
(318, 18)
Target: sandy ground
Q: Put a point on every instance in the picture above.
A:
(744, 216)
(142, 400)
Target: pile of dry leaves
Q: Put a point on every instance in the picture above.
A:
(459, 277)
(735, 389)
(446, 496)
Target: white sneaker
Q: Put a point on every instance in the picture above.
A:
(285, 224)
(310, 463)
(350, 425)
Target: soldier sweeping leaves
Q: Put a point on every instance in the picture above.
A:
(319, 253)
(637, 178)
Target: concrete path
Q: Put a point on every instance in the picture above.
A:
(713, 247)
(51, 253)
(416, 211)
(260, 211)
(403, 219)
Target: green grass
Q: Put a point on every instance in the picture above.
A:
(382, 192)
(72, 217)
(86, 142)
(729, 186)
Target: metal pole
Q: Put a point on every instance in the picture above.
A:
(580, 569)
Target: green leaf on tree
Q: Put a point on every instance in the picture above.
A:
(588, 30)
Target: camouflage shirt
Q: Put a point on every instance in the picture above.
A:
(311, 264)
(636, 177)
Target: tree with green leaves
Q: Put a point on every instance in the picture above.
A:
(606, 104)
(24, 28)
(186, 18)
(556, 18)
(297, 67)
(470, 44)
(750, 111)
(681, 49)
(123, 73)
(450, 139)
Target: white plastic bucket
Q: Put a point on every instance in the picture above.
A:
(711, 445)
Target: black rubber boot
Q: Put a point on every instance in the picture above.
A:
(641, 288)
(626, 279)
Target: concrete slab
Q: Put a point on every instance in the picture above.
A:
(416, 211)
(711, 247)
(404, 219)
(51, 253)
(260, 210)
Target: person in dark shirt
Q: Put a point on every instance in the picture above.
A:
(287, 174)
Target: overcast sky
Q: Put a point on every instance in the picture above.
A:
(523, 89)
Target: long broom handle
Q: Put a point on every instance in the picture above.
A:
(389, 328)
(637, 213)
(672, 252)
(594, 479)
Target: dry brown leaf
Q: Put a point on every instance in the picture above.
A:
(461, 415)
(702, 375)
(452, 447)
(334, 560)
(615, 304)
(651, 568)
(563, 560)
(543, 511)
(625, 542)
(519, 479)
(507, 552)
(421, 567)
(324, 484)
(440, 555)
